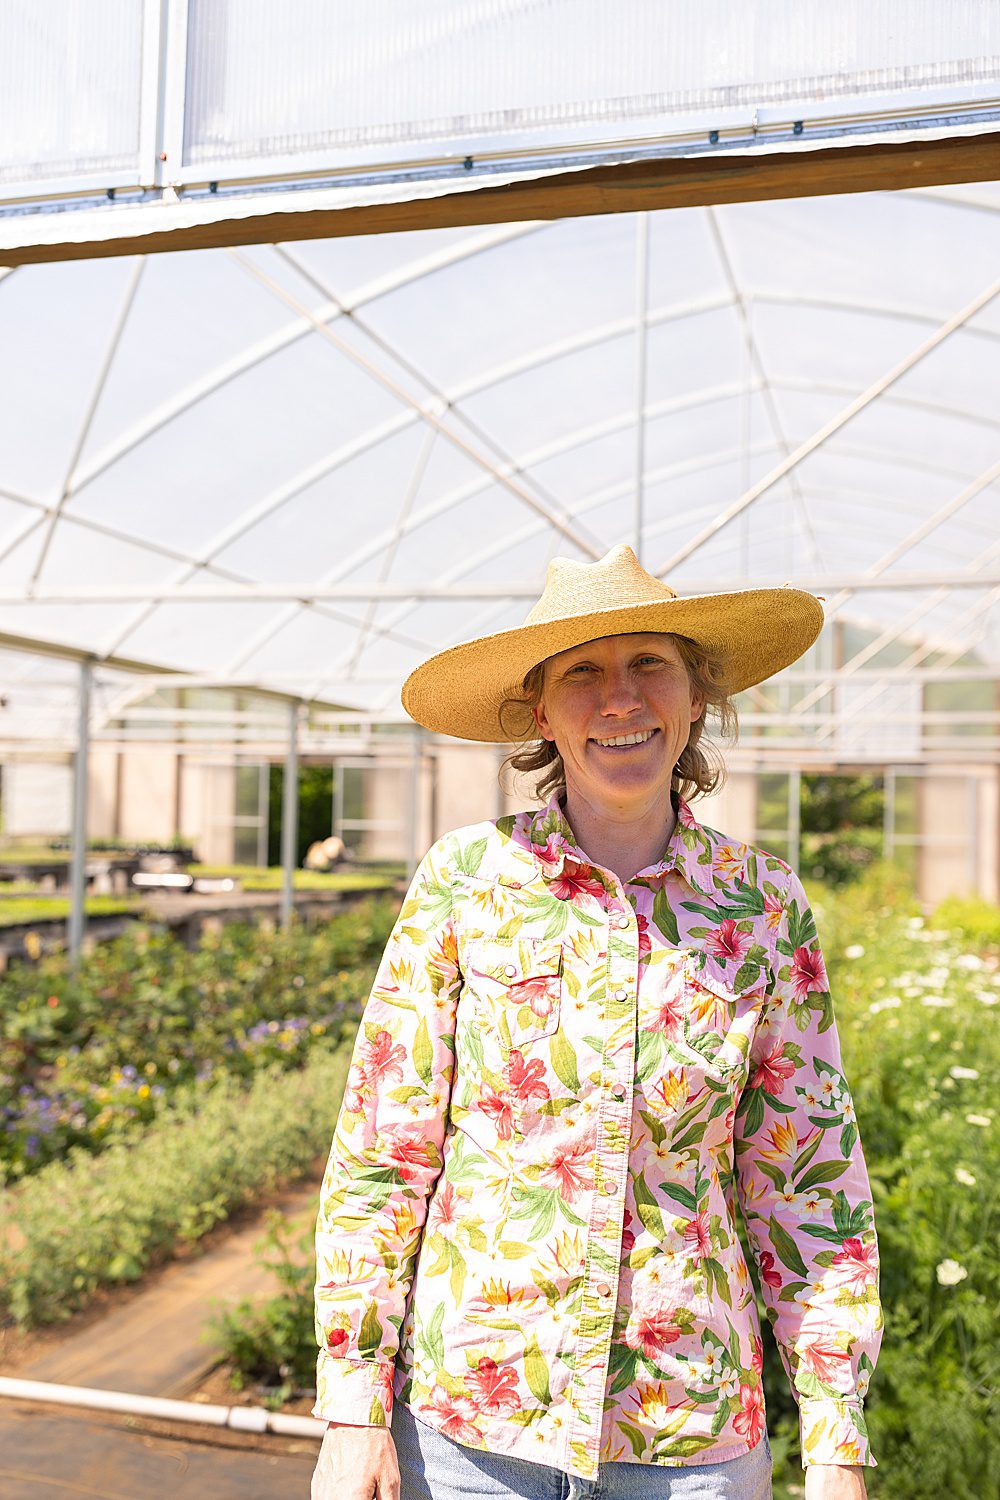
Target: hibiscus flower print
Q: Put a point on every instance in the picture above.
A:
(575, 882)
(570, 1169)
(767, 1271)
(749, 1420)
(500, 1110)
(808, 972)
(727, 941)
(824, 1358)
(452, 1416)
(652, 1331)
(773, 1070)
(696, 1236)
(857, 1263)
(539, 992)
(495, 1389)
(526, 1079)
(382, 1059)
(408, 1152)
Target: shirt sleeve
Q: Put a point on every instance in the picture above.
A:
(385, 1155)
(803, 1187)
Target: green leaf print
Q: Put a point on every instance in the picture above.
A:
(370, 1334)
(563, 1056)
(785, 1248)
(635, 1437)
(515, 1249)
(536, 1371)
(746, 975)
(664, 918)
(823, 1171)
(423, 1053)
(470, 857)
(430, 1339)
(558, 918)
(647, 1209)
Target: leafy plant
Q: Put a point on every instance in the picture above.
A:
(94, 1221)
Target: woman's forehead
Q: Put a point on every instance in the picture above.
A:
(624, 642)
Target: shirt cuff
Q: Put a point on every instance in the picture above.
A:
(833, 1432)
(357, 1391)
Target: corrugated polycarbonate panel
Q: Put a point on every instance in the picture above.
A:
(383, 72)
(70, 85)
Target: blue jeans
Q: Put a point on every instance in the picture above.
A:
(433, 1467)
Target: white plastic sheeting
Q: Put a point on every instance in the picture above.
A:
(136, 95)
(290, 429)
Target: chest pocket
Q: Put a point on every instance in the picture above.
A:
(515, 988)
(719, 1022)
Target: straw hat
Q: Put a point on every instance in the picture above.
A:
(756, 632)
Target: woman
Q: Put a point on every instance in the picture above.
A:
(594, 1025)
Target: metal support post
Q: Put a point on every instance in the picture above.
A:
(416, 761)
(889, 814)
(78, 854)
(794, 818)
(290, 815)
(642, 332)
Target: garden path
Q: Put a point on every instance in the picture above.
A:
(152, 1344)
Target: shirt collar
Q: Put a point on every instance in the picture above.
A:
(690, 849)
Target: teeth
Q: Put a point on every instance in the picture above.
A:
(629, 739)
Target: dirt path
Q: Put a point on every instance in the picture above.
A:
(148, 1339)
(153, 1341)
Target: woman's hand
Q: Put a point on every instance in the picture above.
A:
(356, 1463)
(835, 1482)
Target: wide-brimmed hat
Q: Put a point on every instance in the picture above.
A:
(754, 633)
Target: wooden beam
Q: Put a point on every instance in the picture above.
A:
(672, 182)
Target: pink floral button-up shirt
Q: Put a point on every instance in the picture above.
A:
(559, 1087)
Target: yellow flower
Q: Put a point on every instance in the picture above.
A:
(401, 975)
(731, 859)
(569, 1253)
(502, 1294)
(143, 1091)
(405, 1221)
(783, 1139)
(673, 1089)
(654, 1405)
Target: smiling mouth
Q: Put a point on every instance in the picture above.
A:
(651, 735)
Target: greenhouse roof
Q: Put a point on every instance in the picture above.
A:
(306, 466)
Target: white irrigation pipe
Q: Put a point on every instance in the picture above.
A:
(239, 1418)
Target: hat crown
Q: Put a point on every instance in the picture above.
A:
(616, 581)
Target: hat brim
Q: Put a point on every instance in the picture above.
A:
(460, 691)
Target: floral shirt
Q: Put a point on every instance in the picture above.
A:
(559, 1085)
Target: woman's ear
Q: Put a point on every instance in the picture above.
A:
(541, 719)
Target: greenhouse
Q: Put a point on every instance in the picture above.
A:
(322, 340)
(267, 481)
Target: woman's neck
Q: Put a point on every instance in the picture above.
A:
(623, 844)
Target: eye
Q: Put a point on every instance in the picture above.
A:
(580, 666)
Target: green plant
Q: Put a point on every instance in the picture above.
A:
(94, 1221)
(88, 1058)
(263, 1341)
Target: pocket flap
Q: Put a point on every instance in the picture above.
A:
(510, 960)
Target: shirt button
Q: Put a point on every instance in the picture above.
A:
(511, 969)
(610, 1188)
(621, 994)
(623, 921)
(618, 1092)
(603, 1290)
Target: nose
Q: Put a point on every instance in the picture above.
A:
(619, 697)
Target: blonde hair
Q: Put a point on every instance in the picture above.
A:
(699, 769)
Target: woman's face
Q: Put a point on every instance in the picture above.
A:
(615, 686)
